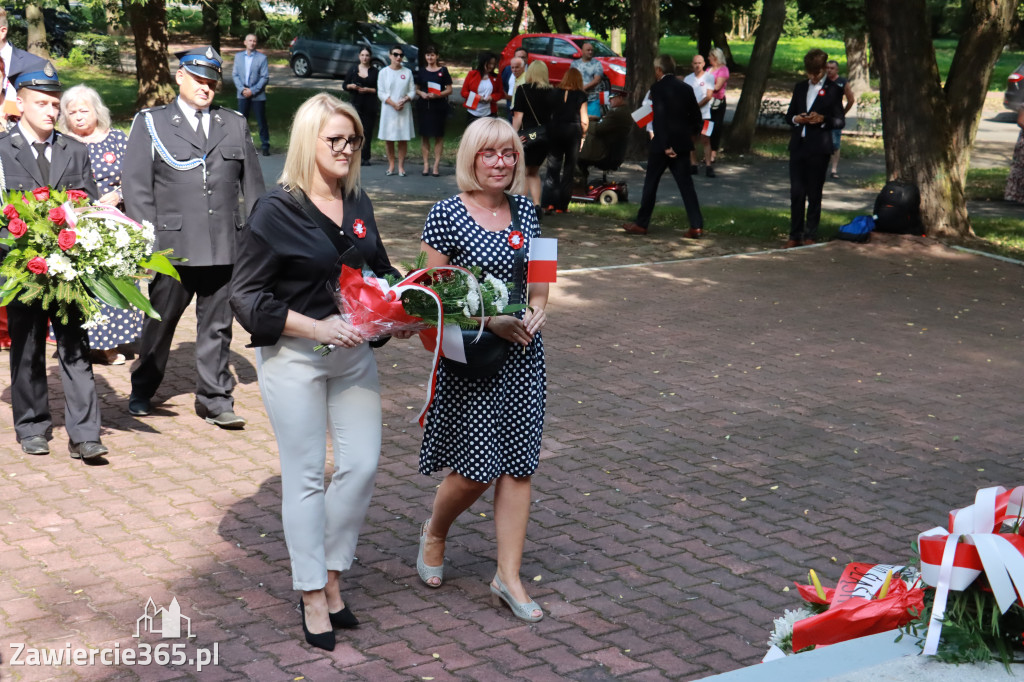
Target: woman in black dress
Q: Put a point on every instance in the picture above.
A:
(433, 85)
(533, 109)
(361, 84)
(568, 127)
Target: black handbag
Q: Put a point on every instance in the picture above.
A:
(536, 134)
(485, 356)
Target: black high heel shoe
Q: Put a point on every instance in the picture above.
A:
(344, 619)
(321, 640)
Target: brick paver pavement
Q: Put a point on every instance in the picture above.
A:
(715, 428)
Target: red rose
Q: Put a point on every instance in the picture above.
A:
(37, 266)
(66, 239)
(10, 212)
(41, 193)
(77, 195)
(17, 227)
(57, 216)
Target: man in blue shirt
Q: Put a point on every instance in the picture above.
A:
(251, 75)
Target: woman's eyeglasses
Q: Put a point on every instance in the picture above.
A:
(490, 157)
(340, 144)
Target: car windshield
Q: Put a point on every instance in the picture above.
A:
(602, 50)
(380, 35)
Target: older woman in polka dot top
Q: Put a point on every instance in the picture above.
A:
(84, 117)
(487, 430)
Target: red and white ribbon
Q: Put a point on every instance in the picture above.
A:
(1000, 557)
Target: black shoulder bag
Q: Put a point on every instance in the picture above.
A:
(536, 134)
(485, 356)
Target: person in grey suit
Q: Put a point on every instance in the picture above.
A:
(251, 75)
(34, 155)
(185, 165)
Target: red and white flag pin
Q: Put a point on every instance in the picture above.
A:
(433, 86)
(471, 101)
(643, 115)
(543, 260)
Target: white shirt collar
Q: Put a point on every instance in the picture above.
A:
(189, 110)
(28, 135)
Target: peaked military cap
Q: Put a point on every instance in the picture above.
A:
(201, 61)
(40, 76)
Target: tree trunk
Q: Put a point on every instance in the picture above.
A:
(705, 15)
(857, 62)
(517, 19)
(928, 130)
(556, 10)
(36, 42)
(237, 27)
(148, 20)
(540, 20)
(642, 36)
(615, 40)
(420, 11)
(256, 16)
(112, 17)
(740, 135)
(211, 22)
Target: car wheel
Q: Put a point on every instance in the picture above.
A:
(377, 64)
(301, 67)
(609, 197)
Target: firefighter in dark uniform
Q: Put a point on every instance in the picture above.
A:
(34, 155)
(185, 165)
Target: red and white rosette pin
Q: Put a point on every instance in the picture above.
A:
(952, 559)
(515, 239)
(359, 228)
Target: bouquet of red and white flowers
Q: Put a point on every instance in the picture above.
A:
(66, 254)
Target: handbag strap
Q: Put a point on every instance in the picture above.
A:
(518, 259)
(526, 95)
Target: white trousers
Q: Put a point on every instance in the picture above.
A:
(307, 396)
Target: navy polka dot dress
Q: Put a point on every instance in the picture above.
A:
(106, 157)
(483, 428)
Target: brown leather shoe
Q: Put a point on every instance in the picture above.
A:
(808, 242)
(694, 233)
(633, 228)
(791, 243)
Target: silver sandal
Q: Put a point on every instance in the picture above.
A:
(428, 573)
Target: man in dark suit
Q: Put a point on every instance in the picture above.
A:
(15, 61)
(814, 112)
(251, 75)
(184, 167)
(35, 155)
(677, 119)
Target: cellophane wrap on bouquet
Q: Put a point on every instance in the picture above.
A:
(868, 599)
(441, 297)
(66, 255)
(984, 538)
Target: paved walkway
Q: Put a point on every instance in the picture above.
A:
(716, 427)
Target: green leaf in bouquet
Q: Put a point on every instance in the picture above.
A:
(8, 241)
(514, 308)
(160, 262)
(103, 289)
(134, 296)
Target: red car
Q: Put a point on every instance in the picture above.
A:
(559, 50)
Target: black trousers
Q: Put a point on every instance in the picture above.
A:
(657, 162)
(563, 155)
(368, 115)
(29, 395)
(259, 110)
(806, 182)
(214, 382)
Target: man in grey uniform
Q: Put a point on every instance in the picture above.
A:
(185, 165)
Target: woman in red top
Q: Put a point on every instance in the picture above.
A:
(484, 81)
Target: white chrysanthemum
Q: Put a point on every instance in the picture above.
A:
(473, 301)
(148, 233)
(97, 320)
(89, 239)
(121, 237)
(500, 291)
(60, 264)
(782, 635)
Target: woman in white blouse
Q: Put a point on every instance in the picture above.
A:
(395, 88)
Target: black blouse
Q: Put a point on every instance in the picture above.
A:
(426, 76)
(285, 262)
(363, 99)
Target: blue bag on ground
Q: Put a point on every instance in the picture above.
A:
(857, 230)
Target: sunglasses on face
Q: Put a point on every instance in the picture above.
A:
(397, 54)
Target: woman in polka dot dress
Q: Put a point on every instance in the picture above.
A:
(487, 431)
(84, 117)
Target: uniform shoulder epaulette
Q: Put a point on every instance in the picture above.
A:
(157, 107)
(227, 110)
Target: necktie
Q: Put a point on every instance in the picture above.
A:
(44, 163)
(199, 129)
